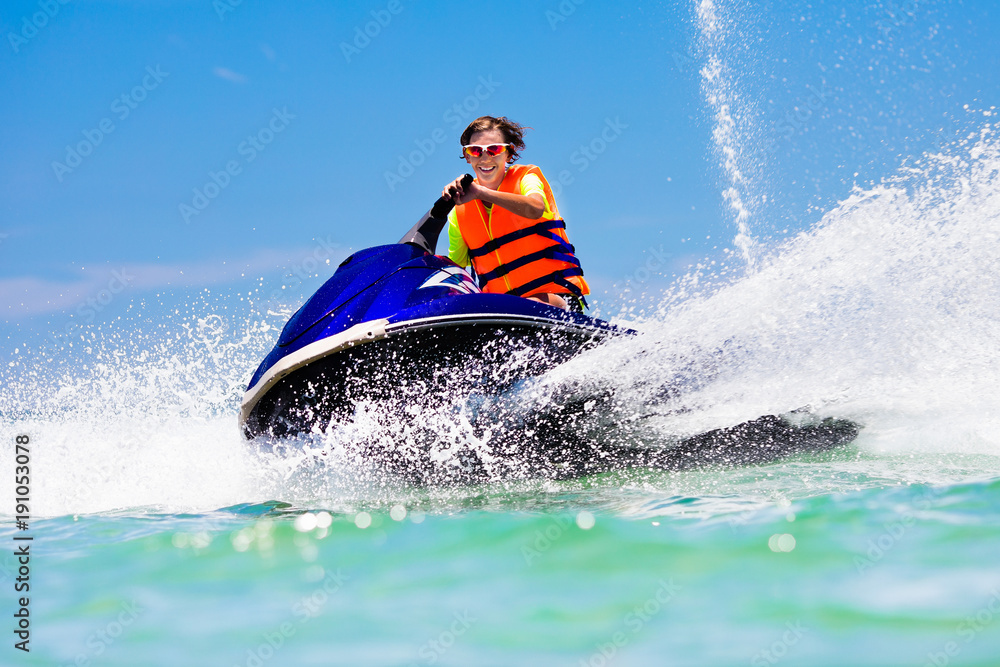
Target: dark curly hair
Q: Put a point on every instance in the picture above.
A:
(513, 133)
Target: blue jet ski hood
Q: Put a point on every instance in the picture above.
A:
(401, 284)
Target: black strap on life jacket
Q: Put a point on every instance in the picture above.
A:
(557, 277)
(543, 228)
(560, 250)
(557, 252)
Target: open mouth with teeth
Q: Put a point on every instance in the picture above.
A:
(488, 173)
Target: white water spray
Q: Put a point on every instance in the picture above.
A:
(886, 313)
(721, 94)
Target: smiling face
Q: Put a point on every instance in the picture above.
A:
(489, 169)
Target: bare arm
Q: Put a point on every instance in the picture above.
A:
(530, 206)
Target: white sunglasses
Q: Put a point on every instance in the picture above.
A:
(476, 150)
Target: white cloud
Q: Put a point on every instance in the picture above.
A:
(229, 75)
(23, 297)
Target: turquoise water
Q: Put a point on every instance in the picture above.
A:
(876, 575)
(160, 537)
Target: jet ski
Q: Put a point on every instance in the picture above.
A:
(397, 315)
(399, 323)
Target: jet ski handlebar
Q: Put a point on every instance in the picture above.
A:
(425, 233)
(442, 207)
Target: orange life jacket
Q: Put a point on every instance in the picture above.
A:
(515, 255)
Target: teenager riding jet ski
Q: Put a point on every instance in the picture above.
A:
(506, 222)
(399, 325)
(397, 316)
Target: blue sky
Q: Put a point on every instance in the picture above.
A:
(191, 144)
